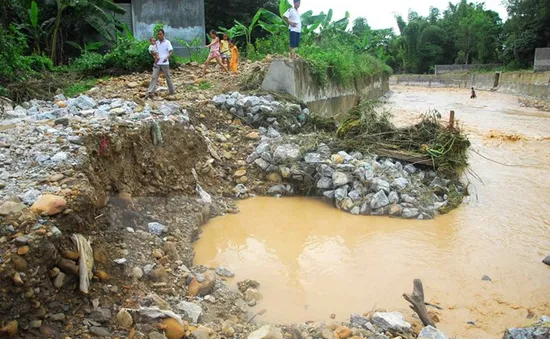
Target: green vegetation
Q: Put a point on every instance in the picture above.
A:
(369, 130)
(80, 87)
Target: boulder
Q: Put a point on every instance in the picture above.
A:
(431, 332)
(85, 102)
(49, 204)
(379, 200)
(312, 158)
(358, 321)
(546, 260)
(391, 321)
(410, 213)
(202, 288)
(380, 185)
(340, 179)
(400, 183)
(324, 183)
(286, 153)
(266, 332)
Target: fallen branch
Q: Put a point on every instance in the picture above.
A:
(417, 303)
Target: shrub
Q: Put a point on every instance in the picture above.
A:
(14, 66)
(89, 62)
(129, 54)
(39, 63)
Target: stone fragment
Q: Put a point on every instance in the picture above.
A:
(173, 329)
(391, 321)
(431, 332)
(266, 332)
(410, 213)
(340, 179)
(124, 318)
(11, 207)
(286, 153)
(191, 310)
(342, 332)
(379, 200)
(201, 289)
(224, 272)
(49, 204)
(156, 228)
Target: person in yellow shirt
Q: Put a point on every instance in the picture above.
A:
(234, 64)
(224, 50)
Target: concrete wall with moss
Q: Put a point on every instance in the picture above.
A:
(519, 83)
(328, 100)
(183, 19)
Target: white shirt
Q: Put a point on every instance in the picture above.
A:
(294, 16)
(164, 49)
(153, 49)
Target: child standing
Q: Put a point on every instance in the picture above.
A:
(234, 64)
(214, 53)
(224, 50)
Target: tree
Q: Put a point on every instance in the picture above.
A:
(526, 29)
(224, 13)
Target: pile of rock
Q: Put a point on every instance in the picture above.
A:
(85, 107)
(264, 111)
(356, 183)
(540, 329)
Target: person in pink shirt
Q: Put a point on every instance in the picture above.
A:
(214, 53)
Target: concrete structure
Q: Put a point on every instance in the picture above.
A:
(536, 85)
(542, 60)
(183, 19)
(332, 100)
(459, 68)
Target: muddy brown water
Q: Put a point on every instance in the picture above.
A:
(313, 260)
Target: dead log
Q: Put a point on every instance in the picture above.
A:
(417, 303)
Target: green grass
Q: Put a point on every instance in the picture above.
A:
(81, 86)
(205, 85)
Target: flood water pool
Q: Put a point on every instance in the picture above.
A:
(313, 260)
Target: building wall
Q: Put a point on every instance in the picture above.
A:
(542, 60)
(183, 19)
(459, 68)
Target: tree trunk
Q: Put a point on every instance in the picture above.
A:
(417, 303)
(55, 34)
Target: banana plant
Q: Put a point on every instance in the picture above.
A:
(97, 13)
(86, 48)
(34, 31)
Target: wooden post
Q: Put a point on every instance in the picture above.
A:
(452, 120)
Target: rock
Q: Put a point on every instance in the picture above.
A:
(486, 278)
(59, 280)
(337, 159)
(224, 272)
(19, 264)
(124, 318)
(341, 193)
(191, 310)
(137, 272)
(393, 197)
(340, 179)
(156, 228)
(36, 323)
(286, 153)
(57, 317)
(156, 335)
(100, 331)
(545, 260)
(75, 139)
(132, 84)
(261, 163)
(56, 177)
(380, 185)
(431, 332)
(324, 183)
(49, 204)
(30, 196)
(396, 210)
(219, 100)
(60, 157)
(400, 183)
(327, 334)
(203, 288)
(410, 213)
(170, 109)
(358, 321)
(273, 133)
(61, 121)
(11, 207)
(17, 280)
(274, 177)
(85, 102)
(101, 315)
(203, 332)
(173, 329)
(312, 158)
(329, 194)
(346, 204)
(391, 321)
(342, 332)
(253, 136)
(10, 329)
(266, 332)
(379, 200)
(21, 241)
(252, 294)
(409, 169)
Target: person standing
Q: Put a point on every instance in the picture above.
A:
(214, 53)
(292, 18)
(164, 50)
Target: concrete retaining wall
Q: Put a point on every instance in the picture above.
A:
(542, 60)
(519, 83)
(444, 69)
(332, 100)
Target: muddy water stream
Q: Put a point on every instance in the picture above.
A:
(313, 261)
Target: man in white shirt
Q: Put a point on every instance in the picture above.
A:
(164, 50)
(292, 18)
